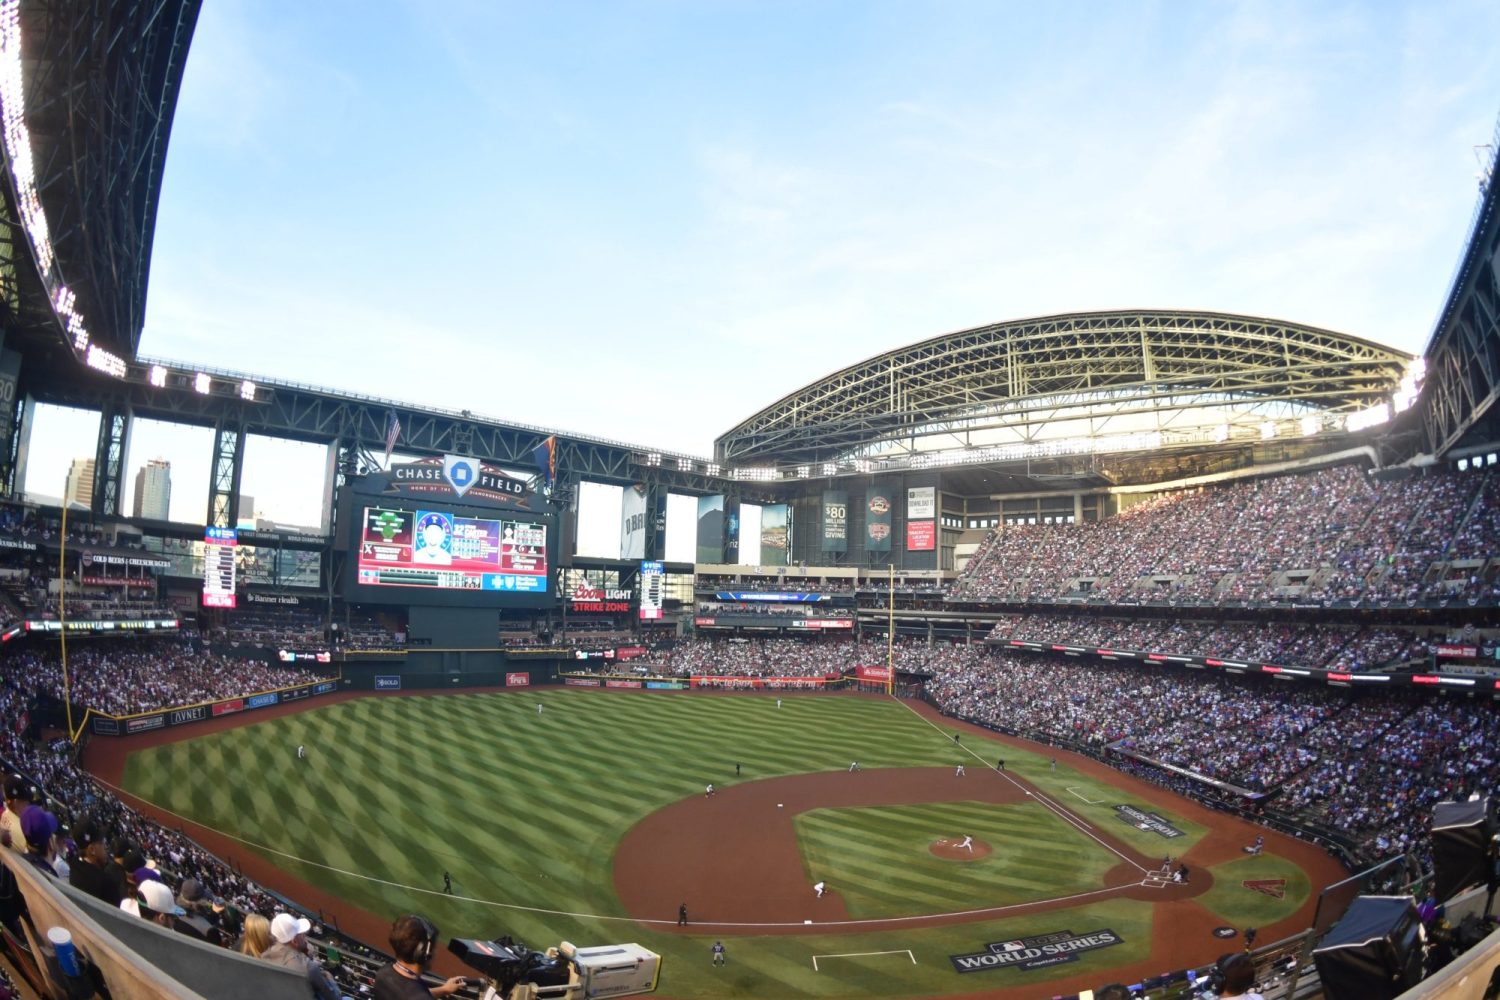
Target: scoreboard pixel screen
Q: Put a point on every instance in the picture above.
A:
(440, 550)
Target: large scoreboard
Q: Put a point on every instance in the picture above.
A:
(451, 532)
(442, 550)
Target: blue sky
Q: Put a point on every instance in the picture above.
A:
(646, 221)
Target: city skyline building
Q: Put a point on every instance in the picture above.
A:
(79, 488)
(153, 490)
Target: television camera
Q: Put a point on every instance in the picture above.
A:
(515, 972)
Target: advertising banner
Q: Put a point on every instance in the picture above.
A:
(229, 707)
(621, 683)
(711, 529)
(775, 534)
(195, 714)
(878, 520)
(582, 682)
(324, 688)
(664, 685)
(296, 694)
(821, 623)
(731, 532)
(387, 682)
(629, 652)
(921, 536)
(921, 503)
(633, 523)
(881, 674)
(142, 723)
(589, 599)
(1447, 651)
(835, 521)
(518, 679)
(106, 727)
(262, 700)
(748, 683)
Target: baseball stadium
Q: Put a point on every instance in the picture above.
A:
(1131, 653)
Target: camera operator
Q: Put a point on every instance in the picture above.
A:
(413, 940)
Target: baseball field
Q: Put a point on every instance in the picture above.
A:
(589, 820)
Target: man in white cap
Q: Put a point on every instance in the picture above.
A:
(289, 948)
(154, 902)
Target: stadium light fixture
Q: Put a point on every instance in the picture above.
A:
(247, 390)
(653, 459)
(107, 362)
(1268, 430)
(1463, 465)
(157, 376)
(804, 471)
(712, 469)
(202, 383)
(830, 468)
(1221, 433)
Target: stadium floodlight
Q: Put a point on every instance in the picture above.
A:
(757, 474)
(247, 390)
(804, 471)
(1268, 430)
(830, 468)
(157, 376)
(653, 459)
(1221, 433)
(1491, 458)
(685, 464)
(1463, 465)
(1311, 425)
(712, 469)
(202, 383)
(1373, 417)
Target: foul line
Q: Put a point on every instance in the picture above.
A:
(1092, 802)
(919, 918)
(1077, 822)
(866, 954)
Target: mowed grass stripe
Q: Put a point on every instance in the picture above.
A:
(529, 809)
(879, 857)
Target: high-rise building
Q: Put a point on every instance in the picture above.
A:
(80, 485)
(153, 489)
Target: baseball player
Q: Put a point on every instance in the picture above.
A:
(820, 888)
(853, 766)
(968, 844)
(301, 752)
(708, 792)
(958, 772)
(718, 951)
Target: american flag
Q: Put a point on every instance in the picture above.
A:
(391, 435)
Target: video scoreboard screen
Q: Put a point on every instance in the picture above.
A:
(444, 551)
(218, 567)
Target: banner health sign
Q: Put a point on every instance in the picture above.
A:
(1034, 952)
(835, 521)
(878, 520)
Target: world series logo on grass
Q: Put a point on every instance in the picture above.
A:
(1034, 952)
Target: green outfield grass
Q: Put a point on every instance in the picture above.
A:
(525, 811)
(878, 858)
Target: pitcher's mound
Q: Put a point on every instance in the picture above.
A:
(948, 850)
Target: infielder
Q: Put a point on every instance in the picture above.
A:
(820, 888)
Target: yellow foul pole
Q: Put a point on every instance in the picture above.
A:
(890, 631)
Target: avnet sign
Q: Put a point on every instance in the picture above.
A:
(1035, 952)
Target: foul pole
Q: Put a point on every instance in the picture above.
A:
(890, 630)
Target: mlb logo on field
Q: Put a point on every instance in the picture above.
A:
(1008, 946)
(460, 472)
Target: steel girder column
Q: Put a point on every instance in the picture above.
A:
(109, 459)
(224, 475)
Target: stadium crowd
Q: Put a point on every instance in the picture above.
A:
(1335, 534)
(1336, 647)
(1369, 765)
(129, 676)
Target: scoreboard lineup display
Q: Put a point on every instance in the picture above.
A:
(440, 550)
